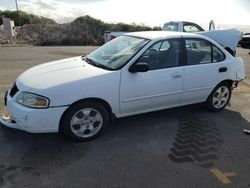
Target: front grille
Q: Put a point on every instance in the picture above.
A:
(13, 90)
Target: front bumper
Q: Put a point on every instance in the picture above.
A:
(30, 119)
(8, 121)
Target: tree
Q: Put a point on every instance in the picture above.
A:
(85, 30)
(22, 18)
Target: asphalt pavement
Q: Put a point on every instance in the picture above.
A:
(185, 147)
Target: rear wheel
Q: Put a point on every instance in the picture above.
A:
(219, 98)
(84, 121)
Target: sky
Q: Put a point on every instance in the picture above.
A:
(148, 12)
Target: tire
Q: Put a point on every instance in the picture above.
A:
(219, 98)
(84, 121)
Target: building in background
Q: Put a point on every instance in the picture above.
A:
(9, 28)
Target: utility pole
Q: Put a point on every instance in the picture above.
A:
(17, 20)
(87, 34)
(17, 14)
(16, 7)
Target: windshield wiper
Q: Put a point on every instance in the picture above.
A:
(91, 62)
(88, 60)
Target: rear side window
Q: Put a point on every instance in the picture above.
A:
(218, 55)
(200, 51)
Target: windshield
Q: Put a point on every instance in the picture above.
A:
(116, 53)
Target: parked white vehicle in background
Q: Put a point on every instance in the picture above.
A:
(228, 38)
(132, 74)
(110, 35)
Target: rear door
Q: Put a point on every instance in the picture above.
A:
(205, 68)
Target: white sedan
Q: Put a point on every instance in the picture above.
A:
(132, 74)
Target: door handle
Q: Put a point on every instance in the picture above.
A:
(176, 75)
(223, 69)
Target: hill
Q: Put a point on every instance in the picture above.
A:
(85, 30)
(22, 18)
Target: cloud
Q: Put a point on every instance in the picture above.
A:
(55, 9)
(84, 1)
(46, 4)
(2, 8)
(245, 4)
(150, 12)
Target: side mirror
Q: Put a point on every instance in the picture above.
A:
(139, 67)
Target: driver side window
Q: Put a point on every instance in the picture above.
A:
(163, 54)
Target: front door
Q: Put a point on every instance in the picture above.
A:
(160, 87)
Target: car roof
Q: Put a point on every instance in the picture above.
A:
(178, 21)
(153, 35)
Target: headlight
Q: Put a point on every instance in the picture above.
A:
(32, 100)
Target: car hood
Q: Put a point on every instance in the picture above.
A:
(57, 73)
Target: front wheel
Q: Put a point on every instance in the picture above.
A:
(219, 98)
(84, 121)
